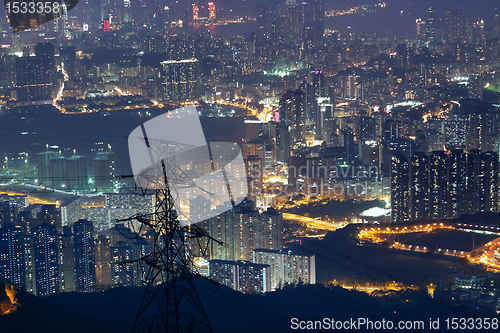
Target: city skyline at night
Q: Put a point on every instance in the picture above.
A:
(248, 165)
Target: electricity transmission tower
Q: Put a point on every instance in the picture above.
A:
(170, 302)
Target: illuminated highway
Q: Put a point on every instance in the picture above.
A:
(34, 200)
(314, 223)
(375, 234)
(488, 258)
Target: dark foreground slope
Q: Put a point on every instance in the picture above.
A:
(229, 311)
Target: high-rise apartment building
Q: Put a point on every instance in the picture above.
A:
(84, 253)
(482, 182)
(400, 191)
(182, 80)
(244, 230)
(43, 164)
(444, 184)
(438, 185)
(457, 182)
(211, 11)
(287, 266)
(419, 183)
(496, 26)
(12, 258)
(104, 171)
(35, 75)
(243, 276)
(430, 24)
(76, 173)
(475, 86)
(44, 259)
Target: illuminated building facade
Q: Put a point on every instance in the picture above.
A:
(211, 11)
(475, 86)
(195, 12)
(126, 12)
(181, 80)
(243, 276)
(287, 266)
(400, 192)
(84, 256)
(482, 182)
(45, 260)
(71, 211)
(438, 185)
(419, 183)
(430, 24)
(457, 182)
(12, 265)
(243, 230)
(10, 207)
(445, 184)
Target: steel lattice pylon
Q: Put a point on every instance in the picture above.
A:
(170, 288)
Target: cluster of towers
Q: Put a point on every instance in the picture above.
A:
(443, 185)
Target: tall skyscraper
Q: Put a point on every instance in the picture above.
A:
(438, 185)
(10, 206)
(430, 24)
(457, 182)
(5, 213)
(253, 154)
(318, 90)
(68, 282)
(482, 182)
(291, 125)
(58, 173)
(120, 253)
(419, 182)
(400, 192)
(45, 260)
(12, 259)
(76, 173)
(420, 29)
(84, 256)
(475, 86)
(35, 76)
(104, 171)
(457, 27)
(126, 11)
(314, 16)
(211, 11)
(43, 164)
(195, 12)
(348, 137)
(103, 262)
(182, 81)
(496, 26)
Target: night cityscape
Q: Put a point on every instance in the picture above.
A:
(249, 166)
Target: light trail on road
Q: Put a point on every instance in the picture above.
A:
(314, 223)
